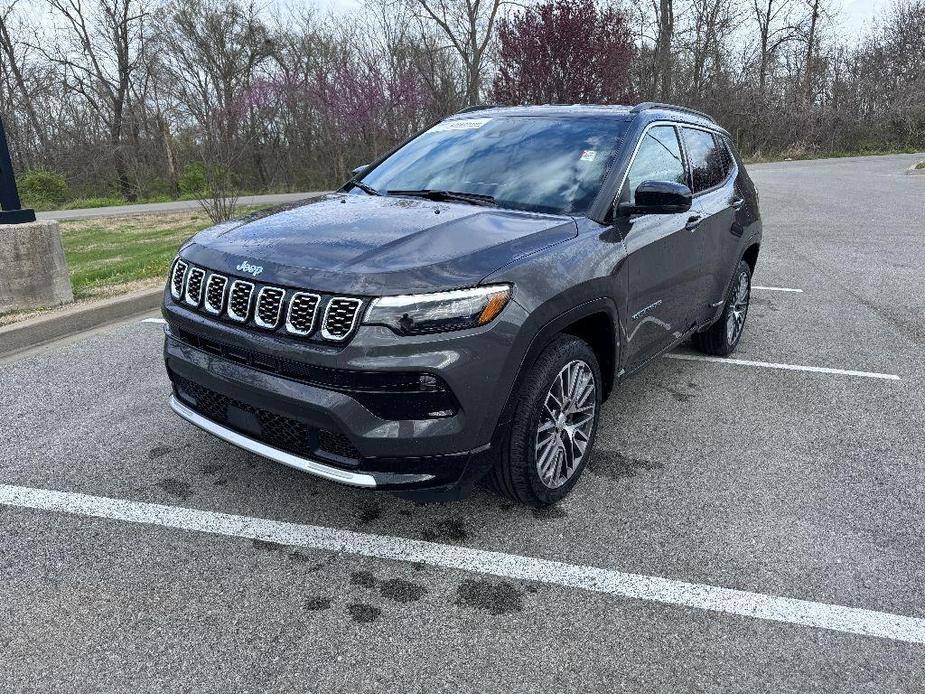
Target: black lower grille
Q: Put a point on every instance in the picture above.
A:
(387, 394)
(336, 444)
(274, 429)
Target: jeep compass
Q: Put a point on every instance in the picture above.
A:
(462, 307)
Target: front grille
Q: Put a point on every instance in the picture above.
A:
(239, 300)
(275, 429)
(339, 318)
(269, 307)
(176, 279)
(193, 294)
(301, 317)
(215, 294)
(298, 313)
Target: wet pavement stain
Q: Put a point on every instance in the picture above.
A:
(316, 603)
(362, 613)
(267, 546)
(446, 530)
(496, 598)
(363, 578)
(402, 591)
(369, 513)
(548, 512)
(158, 452)
(176, 487)
(211, 469)
(618, 466)
(294, 554)
(678, 395)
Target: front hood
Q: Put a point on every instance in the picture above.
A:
(377, 245)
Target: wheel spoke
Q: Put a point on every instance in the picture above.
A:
(563, 434)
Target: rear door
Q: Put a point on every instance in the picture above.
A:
(715, 199)
(663, 256)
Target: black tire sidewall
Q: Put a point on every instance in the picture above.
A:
(741, 269)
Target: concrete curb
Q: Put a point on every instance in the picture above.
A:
(912, 171)
(40, 330)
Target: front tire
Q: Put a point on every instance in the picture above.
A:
(554, 426)
(723, 336)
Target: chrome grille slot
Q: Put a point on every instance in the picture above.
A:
(269, 307)
(239, 300)
(340, 316)
(176, 279)
(215, 294)
(194, 282)
(300, 319)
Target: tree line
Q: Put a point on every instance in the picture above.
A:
(160, 98)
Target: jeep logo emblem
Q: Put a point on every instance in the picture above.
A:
(252, 270)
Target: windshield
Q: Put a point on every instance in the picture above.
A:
(540, 164)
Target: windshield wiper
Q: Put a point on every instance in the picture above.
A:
(369, 190)
(448, 195)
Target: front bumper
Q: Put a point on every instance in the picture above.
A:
(441, 453)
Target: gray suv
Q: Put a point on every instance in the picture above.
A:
(463, 306)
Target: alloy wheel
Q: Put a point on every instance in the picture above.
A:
(566, 424)
(736, 319)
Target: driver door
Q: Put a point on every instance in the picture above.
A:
(664, 264)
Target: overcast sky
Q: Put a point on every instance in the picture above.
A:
(856, 14)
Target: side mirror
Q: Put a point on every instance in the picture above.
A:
(360, 170)
(660, 197)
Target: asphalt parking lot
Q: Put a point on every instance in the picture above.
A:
(802, 489)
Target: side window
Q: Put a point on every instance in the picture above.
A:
(709, 158)
(657, 159)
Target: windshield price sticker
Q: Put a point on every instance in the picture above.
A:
(463, 124)
(588, 155)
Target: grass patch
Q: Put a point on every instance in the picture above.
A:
(804, 155)
(103, 253)
(920, 165)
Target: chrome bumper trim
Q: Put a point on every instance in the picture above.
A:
(304, 464)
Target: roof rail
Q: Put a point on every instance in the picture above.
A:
(646, 105)
(478, 107)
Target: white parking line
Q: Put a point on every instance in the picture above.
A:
(159, 321)
(786, 367)
(776, 289)
(852, 620)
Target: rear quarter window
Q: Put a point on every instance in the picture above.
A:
(709, 158)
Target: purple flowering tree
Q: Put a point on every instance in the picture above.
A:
(564, 51)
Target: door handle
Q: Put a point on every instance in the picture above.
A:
(737, 202)
(693, 222)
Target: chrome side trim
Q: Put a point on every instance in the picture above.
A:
(353, 324)
(312, 467)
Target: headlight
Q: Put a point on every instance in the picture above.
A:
(415, 314)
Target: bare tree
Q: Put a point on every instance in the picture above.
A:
(469, 27)
(774, 28)
(9, 49)
(663, 59)
(101, 57)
